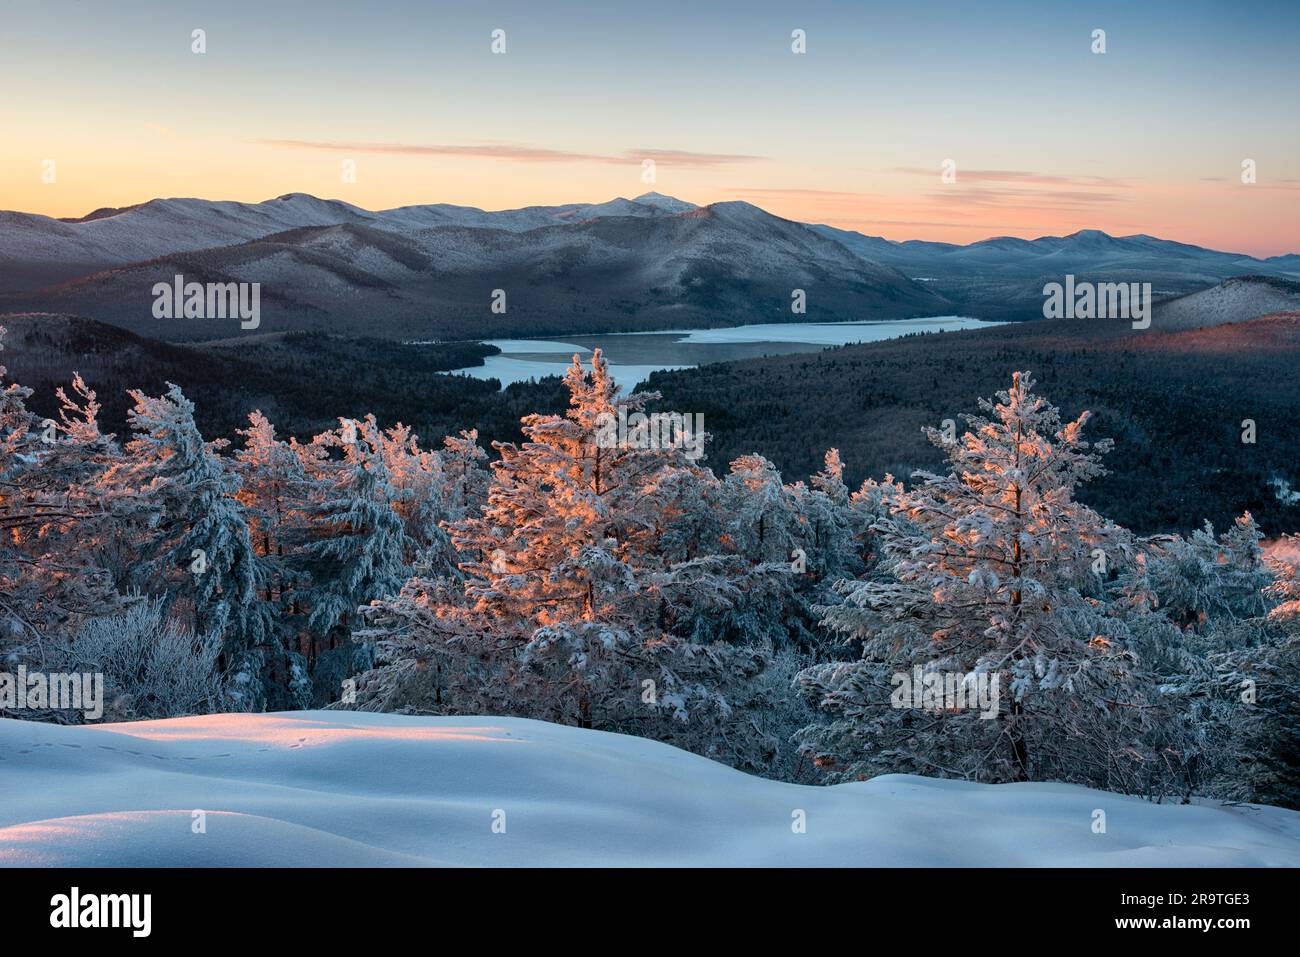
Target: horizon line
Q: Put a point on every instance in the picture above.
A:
(84, 218)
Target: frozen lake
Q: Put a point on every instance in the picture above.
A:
(633, 356)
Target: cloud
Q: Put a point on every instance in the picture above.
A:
(988, 197)
(687, 158)
(931, 223)
(795, 193)
(517, 153)
(964, 205)
(526, 154)
(1003, 190)
(1017, 176)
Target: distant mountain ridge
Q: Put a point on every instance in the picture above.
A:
(650, 262)
(431, 271)
(1085, 250)
(109, 237)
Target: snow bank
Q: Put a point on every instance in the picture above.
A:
(343, 788)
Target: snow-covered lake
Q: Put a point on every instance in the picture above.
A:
(632, 356)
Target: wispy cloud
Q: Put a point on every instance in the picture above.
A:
(1023, 177)
(797, 193)
(519, 153)
(1000, 206)
(928, 223)
(1006, 189)
(688, 158)
(1008, 198)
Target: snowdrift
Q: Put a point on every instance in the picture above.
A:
(343, 788)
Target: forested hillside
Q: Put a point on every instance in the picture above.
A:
(303, 382)
(1173, 402)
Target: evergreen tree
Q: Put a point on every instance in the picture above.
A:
(56, 519)
(274, 492)
(577, 588)
(993, 569)
(1201, 577)
(196, 543)
(353, 547)
(1284, 589)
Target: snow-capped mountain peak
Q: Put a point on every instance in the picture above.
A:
(669, 204)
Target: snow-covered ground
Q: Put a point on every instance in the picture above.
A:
(341, 788)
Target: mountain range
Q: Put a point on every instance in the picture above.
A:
(653, 262)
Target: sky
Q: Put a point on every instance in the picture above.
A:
(1044, 135)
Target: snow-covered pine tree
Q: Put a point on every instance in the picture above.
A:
(565, 526)
(763, 526)
(829, 517)
(196, 544)
(56, 517)
(432, 654)
(432, 489)
(418, 487)
(352, 549)
(1252, 707)
(1284, 589)
(1201, 578)
(575, 592)
(826, 526)
(557, 547)
(51, 522)
(20, 513)
(464, 466)
(85, 555)
(272, 491)
(15, 419)
(868, 505)
(275, 490)
(991, 568)
(435, 654)
(1278, 666)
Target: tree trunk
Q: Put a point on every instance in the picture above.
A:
(1019, 750)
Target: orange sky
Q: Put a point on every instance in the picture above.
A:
(896, 202)
(1047, 137)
